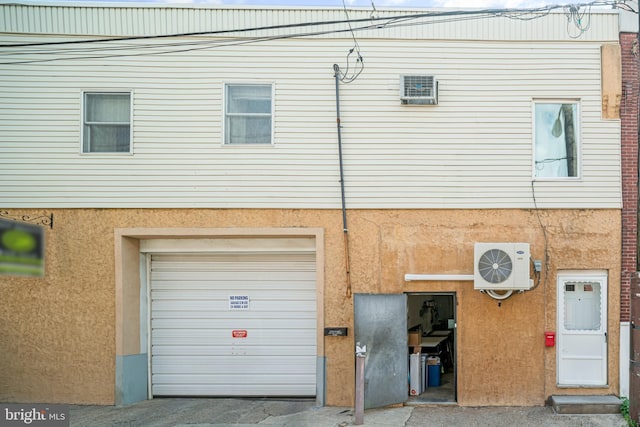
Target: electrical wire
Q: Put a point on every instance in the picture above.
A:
(575, 16)
(210, 44)
(344, 76)
(624, 6)
(544, 234)
(498, 296)
(217, 43)
(546, 266)
(535, 273)
(551, 160)
(239, 30)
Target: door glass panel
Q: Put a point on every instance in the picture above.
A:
(582, 306)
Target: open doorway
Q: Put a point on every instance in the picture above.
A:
(431, 323)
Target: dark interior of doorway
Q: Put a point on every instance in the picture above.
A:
(431, 315)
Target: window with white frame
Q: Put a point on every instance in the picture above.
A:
(106, 122)
(248, 114)
(556, 139)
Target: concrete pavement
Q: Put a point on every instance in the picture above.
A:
(207, 412)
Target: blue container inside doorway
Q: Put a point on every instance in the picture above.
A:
(433, 376)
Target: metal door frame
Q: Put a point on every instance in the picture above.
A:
(455, 332)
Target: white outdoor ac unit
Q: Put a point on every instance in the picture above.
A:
(418, 89)
(501, 266)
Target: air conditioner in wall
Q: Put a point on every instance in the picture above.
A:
(502, 266)
(418, 89)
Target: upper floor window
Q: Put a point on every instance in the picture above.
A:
(557, 140)
(106, 122)
(248, 114)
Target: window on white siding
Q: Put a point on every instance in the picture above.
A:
(248, 118)
(557, 140)
(106, 125)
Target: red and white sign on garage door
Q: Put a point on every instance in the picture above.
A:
(239, 333)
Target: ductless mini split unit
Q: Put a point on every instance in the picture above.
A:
(502, 266)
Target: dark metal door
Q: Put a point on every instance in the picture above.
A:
(381, 325)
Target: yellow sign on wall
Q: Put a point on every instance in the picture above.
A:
(21, 248)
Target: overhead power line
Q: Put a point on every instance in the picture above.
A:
(73, 48)
(507, 13)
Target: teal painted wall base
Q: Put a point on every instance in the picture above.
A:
(321, 378)
(131, 379)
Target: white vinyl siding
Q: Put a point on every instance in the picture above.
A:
(202, 345)
(472, 150)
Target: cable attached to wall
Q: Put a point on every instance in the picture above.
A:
(346, 77)
(577, 18)
(503, 296)
(546, 268)
(544, 234)
(350, 75)
(497, 296)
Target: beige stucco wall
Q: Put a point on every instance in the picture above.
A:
(59, 332)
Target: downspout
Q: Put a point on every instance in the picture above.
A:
(345, 229)
(634, 286)
(634, 289)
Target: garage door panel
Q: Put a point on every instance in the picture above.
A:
(241, 389)
(296, 309)
(220, 310)
(222, 297)
(189, 336)
(285, 364)
(219, 263)
(233, 377)
(214, 349)
(231, 258)
(193, 348)
(253, 285)
(239, 277)
(255, 322)
(258, 349)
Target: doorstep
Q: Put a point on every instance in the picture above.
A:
(606, 404)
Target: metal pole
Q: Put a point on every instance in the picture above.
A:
(359, 408)
(345, 229)
(634, 291)
(634, 367)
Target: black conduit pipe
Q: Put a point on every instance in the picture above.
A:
(345, 229)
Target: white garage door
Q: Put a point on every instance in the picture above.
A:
(233, 324)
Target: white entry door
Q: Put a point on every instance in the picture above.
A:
(582, 329)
